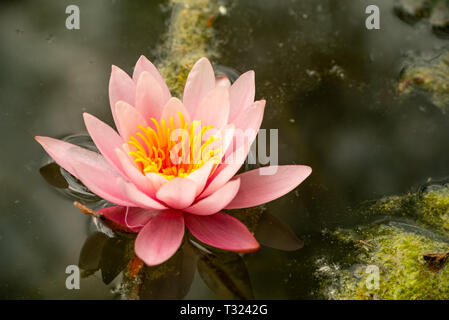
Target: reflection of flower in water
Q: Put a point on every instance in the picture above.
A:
(172, 164)
(224, 272)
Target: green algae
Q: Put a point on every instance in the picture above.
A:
(398, 255)
(190, 36)
(430, 76)
(411, 226)
(429, 207)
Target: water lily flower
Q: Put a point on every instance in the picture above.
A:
(161, 182)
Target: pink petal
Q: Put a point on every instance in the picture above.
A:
(222, 81)
(129, 118)
(105, 138)
(143, 64)
(200, 81)
(88, 166)
(156, 179)
(200, 176)
(225, 171)
(247, 124)
(160, 238)
(101, 179)
(178, 193)
(216, 201)
(150, 97)
(134, 175)
(121, 87)
(256, 189)
(213, 109)
(139, 198)
(132, 218)
(59, 151)
(173, 107)
(242, 94)
(221, 231)
(226, 135)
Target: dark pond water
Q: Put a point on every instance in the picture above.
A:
(330, 86)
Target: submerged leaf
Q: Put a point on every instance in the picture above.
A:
(225, 274)
(52, 174)
(90, 254)
(172, 279)
(274, 233)
(116, 254)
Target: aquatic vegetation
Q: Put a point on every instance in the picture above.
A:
(172, 162)
(398, 253)
(429, 207)
(190, 36)
(413, 230)
(428, 75)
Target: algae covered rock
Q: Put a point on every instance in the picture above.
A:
(403, 255)
(428, 75)
(428, 207)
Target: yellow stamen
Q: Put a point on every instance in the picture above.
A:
(173, 153)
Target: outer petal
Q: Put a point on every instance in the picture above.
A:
(178, 193)
(100, 179)
(173, 107)
(129, 118)
(131, 218)
(242, 94)
(214, 108)
(216, 201)
(59, 151)
(121, 87)
(105, 138)
(143, 64)
(200, 81)
(221, 231)
(160, 238)
(256, 189)
(88, 166)
(140, 199)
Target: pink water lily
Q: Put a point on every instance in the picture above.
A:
(161, 184)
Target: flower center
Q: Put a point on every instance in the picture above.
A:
(173, 150)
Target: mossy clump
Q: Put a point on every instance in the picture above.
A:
(190, 36)
(429, 207)
(407, 229)
(395, 253)
(435, 208)
(428, 75)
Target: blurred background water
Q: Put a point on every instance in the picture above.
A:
(330, 86)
